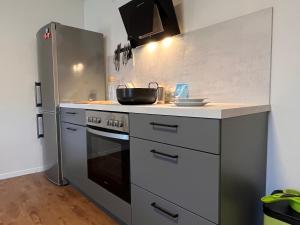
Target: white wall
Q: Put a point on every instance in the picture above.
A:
(104, 17)
(284, 153)
(242, 74)
(20, 151)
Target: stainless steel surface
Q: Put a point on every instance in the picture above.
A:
(51, 148)
(108, 120)
(109, 135)
(47, 68)
(81, 67)
(160, 95)
(71, 68)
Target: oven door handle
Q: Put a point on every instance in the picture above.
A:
(109, 135)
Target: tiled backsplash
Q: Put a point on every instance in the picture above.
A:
(226, 62)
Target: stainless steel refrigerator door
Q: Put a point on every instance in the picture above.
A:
(81, 66)
(47, 69)
(51, 147)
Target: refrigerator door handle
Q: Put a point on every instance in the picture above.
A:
(40, 126)
(38, 94)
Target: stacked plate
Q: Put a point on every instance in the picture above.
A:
(190, 102)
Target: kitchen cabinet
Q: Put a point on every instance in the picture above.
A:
(74, 155)
(74, 116)
(199, 134)
(150, 209)
(198, 171)
(192, 176)
(184, 170)
(73, 144)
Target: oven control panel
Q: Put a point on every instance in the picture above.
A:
(108, 120)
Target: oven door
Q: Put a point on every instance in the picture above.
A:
(108, 160)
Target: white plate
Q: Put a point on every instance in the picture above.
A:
(190, 100)
(190, 104)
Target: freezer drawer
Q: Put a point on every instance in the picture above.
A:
(195, 133)
(149, 209)
(185, 177)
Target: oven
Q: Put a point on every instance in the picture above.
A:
(108, 152)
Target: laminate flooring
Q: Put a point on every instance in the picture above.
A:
(33, 200)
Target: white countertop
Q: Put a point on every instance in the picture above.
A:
(211, 110)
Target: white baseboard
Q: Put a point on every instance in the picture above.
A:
(4, 176)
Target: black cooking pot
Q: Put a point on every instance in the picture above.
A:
(137, 96)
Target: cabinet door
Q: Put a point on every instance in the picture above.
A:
(73, 140)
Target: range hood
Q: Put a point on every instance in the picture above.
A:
(149, 20)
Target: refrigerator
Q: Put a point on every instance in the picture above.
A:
(71, 68)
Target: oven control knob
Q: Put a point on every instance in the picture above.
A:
(98, 120)
(95, 120)
(116, 123)
(110, 123)
(90, 119)
(121, 124)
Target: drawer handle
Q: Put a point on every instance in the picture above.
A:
(71, 113)
(71, 129)
(164, 125)
(173, 215)
(164, 154)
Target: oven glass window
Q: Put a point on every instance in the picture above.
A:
(109, 164)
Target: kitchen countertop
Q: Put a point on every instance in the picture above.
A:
(211, 110)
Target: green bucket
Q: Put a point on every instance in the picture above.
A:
(271, 221)
(289, 195)
(282, 208)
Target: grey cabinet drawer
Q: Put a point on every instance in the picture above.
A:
(75, 116)
(196, 133)
(149, 209)
(185, 177)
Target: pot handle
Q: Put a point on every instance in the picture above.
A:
(121, 85)
(157, 85)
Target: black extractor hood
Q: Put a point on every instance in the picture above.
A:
(149, 20)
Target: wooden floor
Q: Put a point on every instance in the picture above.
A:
(33, 200)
